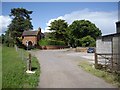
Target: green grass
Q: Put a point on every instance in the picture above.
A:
(108, 77)
(14, 70)
(0, 66)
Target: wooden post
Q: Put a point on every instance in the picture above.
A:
(16, 48)
(29, 62)
(96, 60)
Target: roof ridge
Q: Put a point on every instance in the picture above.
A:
(30, 33)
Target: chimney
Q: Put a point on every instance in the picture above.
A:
(39, 29)
(118, 26)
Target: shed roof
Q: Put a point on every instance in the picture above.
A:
(109, 35)
(30, 33)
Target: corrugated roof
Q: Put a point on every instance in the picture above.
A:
(30, 33)
(109, 35)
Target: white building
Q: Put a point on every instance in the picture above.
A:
(108, 47)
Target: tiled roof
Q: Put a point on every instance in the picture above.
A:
(30, 33)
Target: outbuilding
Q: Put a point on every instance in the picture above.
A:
(108, 48)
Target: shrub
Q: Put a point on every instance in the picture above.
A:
(88, 41)
(45, 42)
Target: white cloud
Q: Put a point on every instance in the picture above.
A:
(51, 20)
(42, 30)
(4, 22)
(105, 21)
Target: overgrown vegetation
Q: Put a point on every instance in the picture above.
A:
(45, 42)
(14, 70)
(108, 77)
(79, 33)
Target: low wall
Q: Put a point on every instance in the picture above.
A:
(51, 47)
(81, 49)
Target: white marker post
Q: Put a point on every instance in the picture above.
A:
(29, 66)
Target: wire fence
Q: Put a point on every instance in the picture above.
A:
(26, 57)
(22, 53)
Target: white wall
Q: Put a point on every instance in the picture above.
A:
(103, 46)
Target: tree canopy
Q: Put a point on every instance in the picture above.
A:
(82, 28)
(20, 22)
(59, 28)
(79, 33)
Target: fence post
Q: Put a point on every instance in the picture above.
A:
(29, 63)
(96, 60)
(16, 48)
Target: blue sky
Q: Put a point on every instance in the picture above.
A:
(45, 12)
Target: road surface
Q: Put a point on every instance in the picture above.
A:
(60, 70)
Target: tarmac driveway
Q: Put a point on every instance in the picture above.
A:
(60, 70)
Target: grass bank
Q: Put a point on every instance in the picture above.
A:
(0, 66)
(14, 70)
(108, 77)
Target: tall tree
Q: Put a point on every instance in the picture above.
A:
(59, 28)
(83, 28)
(20, 22)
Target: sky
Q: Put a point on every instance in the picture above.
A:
(102, 14)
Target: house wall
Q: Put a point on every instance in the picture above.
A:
(103, 46)
(33, 39)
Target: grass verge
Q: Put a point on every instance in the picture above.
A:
(108, 77)
(14, 70)
(0, 66)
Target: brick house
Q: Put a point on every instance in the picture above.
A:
(31, 38)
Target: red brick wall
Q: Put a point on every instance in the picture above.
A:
(33, 39)
(52, 47)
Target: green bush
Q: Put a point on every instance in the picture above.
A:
(88, 41)
(45, 42)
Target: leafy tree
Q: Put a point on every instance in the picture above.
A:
(87, 41)
(2, 38)
(59, 29)
(8, 40)
(83, 28)
(20, 22)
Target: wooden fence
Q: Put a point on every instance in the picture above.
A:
(108, 61)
